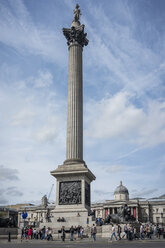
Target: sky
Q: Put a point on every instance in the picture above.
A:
(124, 96)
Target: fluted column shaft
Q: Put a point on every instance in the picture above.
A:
(74, 144)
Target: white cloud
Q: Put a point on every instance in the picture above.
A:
(8, 173)
(13, 191)
(50, 131)
(152, 131)
(113, 117)
(117, 117)
(119, 52)
(19, 31)
(44, 79)
(116, 168)
(23, 117)
(144, 192)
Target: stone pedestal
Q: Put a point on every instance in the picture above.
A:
(73, 188)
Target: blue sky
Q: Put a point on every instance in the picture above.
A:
(124, 88)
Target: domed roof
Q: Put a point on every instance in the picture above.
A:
(121, 189)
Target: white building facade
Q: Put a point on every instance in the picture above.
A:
(151, 210)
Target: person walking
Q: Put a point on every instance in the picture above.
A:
(63, 233)
(113, 233)
(94, 232)
(50, 232)
(119, 231)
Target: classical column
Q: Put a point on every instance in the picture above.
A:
(76, 39)
(73, 176)
(74, 145)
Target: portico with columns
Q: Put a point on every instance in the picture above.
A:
(121, 197)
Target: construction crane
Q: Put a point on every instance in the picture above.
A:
(50, 192)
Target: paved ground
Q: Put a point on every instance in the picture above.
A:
(104, 243)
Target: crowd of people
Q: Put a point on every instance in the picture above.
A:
(33, 233)
(75, 232)
(126, 231)
(131, 232)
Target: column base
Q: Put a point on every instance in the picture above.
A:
(74, 161)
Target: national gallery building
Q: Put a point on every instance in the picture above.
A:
(150, 210)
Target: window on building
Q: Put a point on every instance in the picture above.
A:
(163, 210)
(157, 219)
(157, 210)
(31, 215)
(110, 210)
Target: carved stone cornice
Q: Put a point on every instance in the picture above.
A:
(76, 35)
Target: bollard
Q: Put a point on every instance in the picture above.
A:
(9, 237)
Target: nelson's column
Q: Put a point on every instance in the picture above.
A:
(73, 177)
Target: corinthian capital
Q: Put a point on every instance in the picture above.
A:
(76, 35)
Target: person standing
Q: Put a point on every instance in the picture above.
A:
(43, 233)
(47, 232)
(126, 231)
(141, 231)
(94, 232)
(134, 233)
(155, 231)
(78, 231)
(159, 232)
(75, 232)
(81, 232)
(22, 233)
(30, 233)
(131, 235)
(71, 233)
(113, 233)
(63, 234)
(35, 233)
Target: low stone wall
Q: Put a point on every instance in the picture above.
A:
(106, 231)
(4, 233)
